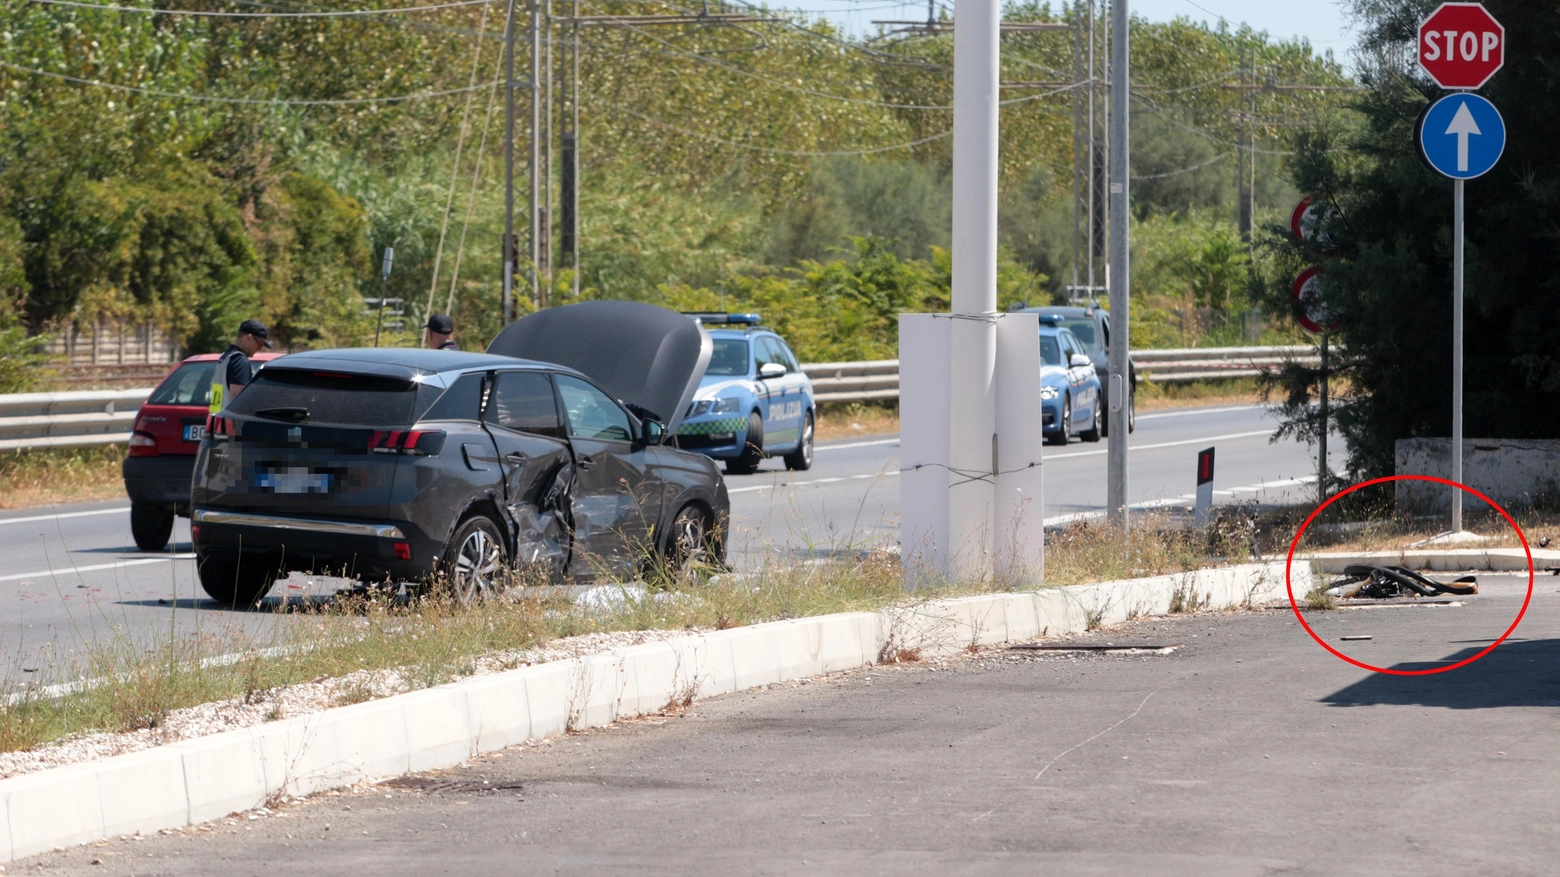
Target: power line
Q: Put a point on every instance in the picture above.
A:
(152, 92)
(1185, 170)
(747, 146)
(349, 13)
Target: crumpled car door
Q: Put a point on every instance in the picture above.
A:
(522, 417)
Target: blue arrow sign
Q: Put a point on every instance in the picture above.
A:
(1461, 136)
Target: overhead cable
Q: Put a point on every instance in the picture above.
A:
(721, 140)
(206, 98)
(346, 13)
(1185, 170)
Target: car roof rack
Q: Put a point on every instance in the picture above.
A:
(720, 319)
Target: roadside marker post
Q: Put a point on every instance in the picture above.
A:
(1204, 504)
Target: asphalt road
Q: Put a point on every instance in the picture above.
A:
(1248, 751)
(73, 573)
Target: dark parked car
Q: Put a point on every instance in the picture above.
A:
(163, 443)
(1091, 326)
(402, 465)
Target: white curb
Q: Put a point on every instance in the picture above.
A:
(198, 780)
(1449, 560)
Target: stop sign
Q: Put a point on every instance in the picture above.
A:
(1461, 45)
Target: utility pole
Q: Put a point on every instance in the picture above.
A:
(1120, 271)
(1244, 155)
(569, 208)
(511, 254)
(535, 243)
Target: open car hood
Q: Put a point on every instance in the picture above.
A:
(649, 356)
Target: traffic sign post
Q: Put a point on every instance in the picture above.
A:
(1460, 136)
(1307, 297)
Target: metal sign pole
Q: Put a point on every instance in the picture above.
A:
(1321, 457)
(1457, 352)
(1119, 392)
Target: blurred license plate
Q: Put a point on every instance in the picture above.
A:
(293, 479)
(194, 432)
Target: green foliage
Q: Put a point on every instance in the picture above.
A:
(23, 364)
(1391, 280)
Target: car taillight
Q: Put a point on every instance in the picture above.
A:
(220, 427)
(423, 442)
(403, 551)
(142, 445)
(194, 532)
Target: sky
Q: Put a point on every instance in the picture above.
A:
(1320, 21)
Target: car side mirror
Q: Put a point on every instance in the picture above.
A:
(1079, 360)
(771, 370)
(651, 432)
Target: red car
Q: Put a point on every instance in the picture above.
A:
(165, 437)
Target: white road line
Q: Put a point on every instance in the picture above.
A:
(889, 441)
(886, 474)
(113, 511)
(1046, 457)
(1196, 441)
(1187, 411)
(1185, 499)
(66, 570)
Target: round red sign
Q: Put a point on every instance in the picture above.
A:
(1461, 45)
(1308, 297)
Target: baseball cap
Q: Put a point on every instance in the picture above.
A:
(440, 323)
(257, 329)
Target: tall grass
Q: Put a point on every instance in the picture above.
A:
(42, 476)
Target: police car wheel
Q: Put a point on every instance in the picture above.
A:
(801, 459)
(752, 449)
(1061, 436)
(1093, 433)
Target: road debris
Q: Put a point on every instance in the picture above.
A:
(1348, 639)
(1391, 582)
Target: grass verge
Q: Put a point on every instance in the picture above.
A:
(47, 476)
(846, 419)
(433, 640)
(1194, 394)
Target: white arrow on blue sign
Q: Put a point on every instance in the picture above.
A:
(1461, 136)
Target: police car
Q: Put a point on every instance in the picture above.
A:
(754, 402)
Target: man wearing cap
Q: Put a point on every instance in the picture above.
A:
(233, 370)
(440, 327)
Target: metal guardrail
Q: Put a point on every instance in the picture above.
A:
(879, 379)
(104, 417)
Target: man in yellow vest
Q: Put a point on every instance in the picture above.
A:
(233, 370)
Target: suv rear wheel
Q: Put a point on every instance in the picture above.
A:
(475, 562)
(151, 524)
(238, 583)
(691, 544)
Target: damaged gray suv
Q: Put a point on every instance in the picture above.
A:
(413, 465)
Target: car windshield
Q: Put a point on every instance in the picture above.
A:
(190, 384)
(352, 400)
(1050, 350)
(1083, 328)
(730, 357)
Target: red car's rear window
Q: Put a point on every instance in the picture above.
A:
(190, 384)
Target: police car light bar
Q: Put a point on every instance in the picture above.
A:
(724, 319)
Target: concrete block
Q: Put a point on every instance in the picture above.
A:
(299, 756)
(753, 654)
(842, 643)
(1513, 472)
(53, 808)
(438, 733)
(709, 658)
(5, 830)
(1019, 618)
(603, 683)
(550, 695)
(223, 773)
(142, 791)
(797, 648)
(371, 738)
(656, 669)
(497, 711)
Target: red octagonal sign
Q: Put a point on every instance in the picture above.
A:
(1461, 45)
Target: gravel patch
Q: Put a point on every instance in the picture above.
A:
(298, 700)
